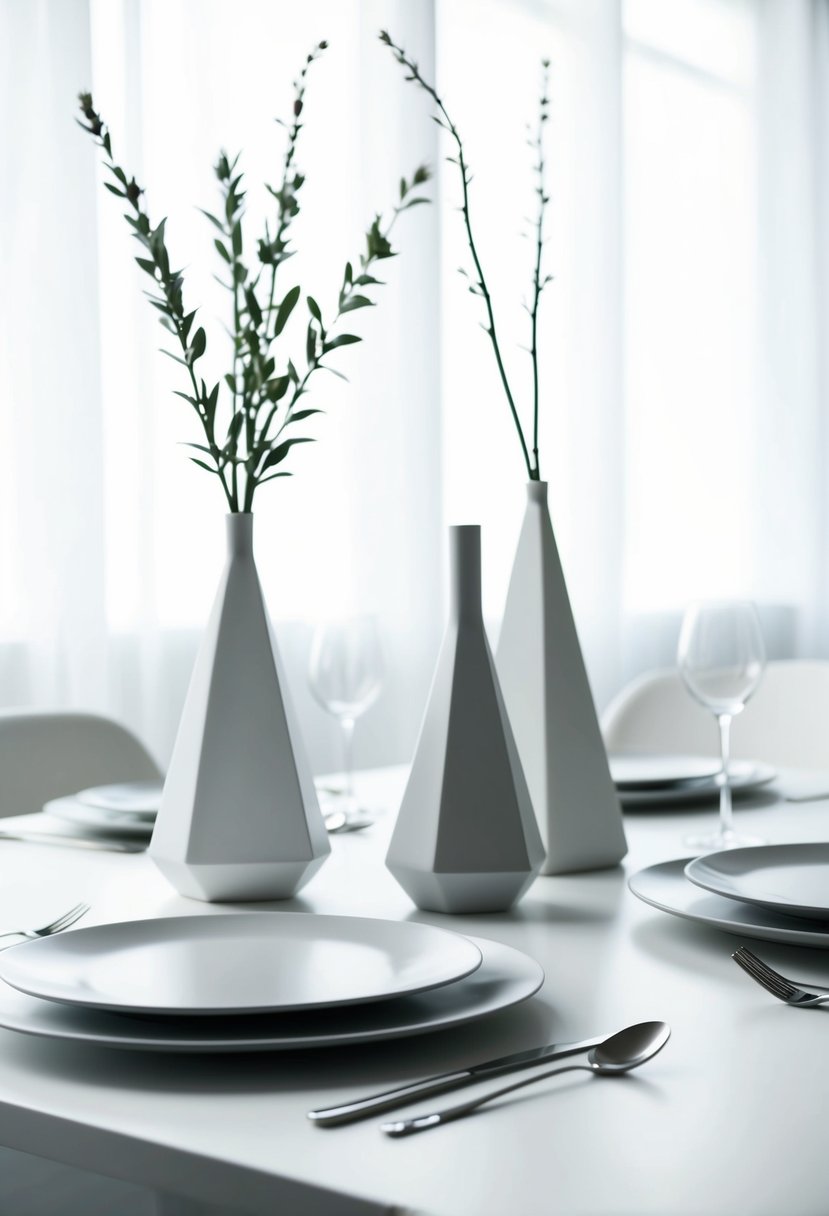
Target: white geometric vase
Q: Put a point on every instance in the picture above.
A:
(551, 708)
(466, 839)
(239, 816)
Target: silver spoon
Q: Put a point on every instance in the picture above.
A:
(620, 1053)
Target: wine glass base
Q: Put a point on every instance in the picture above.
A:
(714, 842)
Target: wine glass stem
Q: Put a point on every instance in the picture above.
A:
(726, 819)
(347, 726)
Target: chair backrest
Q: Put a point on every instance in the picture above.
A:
(46, 754)
(786, 723)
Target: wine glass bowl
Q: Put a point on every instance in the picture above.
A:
(721, 658)
(345, 673)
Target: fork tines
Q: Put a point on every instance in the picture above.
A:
(764, 975)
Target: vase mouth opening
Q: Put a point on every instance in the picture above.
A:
(537, 491)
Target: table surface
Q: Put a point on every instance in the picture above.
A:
(727, 1119)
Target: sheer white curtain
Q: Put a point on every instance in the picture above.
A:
(684, 423)
(110, 540)
(684, 415)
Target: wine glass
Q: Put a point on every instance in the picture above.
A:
(346, 673)
(721, 657)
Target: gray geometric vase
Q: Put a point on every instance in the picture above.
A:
(239, 817)
(466, 838)
(551, 708)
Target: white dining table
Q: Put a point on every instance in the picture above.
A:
(729, 1118)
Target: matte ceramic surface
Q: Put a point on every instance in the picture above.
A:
(252, 962)
(746, 775)
(239, 817)
(466, 839)
(788, 878)
(646, 772)
(128, 797)
(665, 887)
(551, 709)
(99, 820)
(505, 978)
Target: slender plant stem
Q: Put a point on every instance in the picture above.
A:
(538, 285)
(480, 286)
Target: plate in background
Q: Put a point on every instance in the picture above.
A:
(640, 771)
(746, 775)
(100, 821)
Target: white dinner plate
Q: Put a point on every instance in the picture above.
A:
(788, 878)
(99, 819)
(125, 797)
(658, 772)
(665, 887)
(746, 775)
(247, 962)
(505, 978)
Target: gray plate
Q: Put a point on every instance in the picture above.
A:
(746, 775)
(505, 978)
(665, 887)
(242, 963)
(788, 878)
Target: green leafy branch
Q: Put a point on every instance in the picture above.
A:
(477, 284)
(262, 401)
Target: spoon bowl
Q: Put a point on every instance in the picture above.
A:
(629, 1048)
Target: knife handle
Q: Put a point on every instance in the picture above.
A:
(350, 1112)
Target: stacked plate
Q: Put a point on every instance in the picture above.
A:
(774, 892)
(666, 781)
(261, 981)
(125, 809)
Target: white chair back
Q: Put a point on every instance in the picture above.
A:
(45, 754)
(786, 723)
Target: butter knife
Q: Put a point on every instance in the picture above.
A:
(389, 1099)
(75, 842)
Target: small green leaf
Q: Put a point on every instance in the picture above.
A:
(285, 310)
(356, 302)
(314, 309)
(341, 340)
(197, 347)
(300, 415)
(222, 249)
(278, 454)
(276, 389)
(213, 220)
(202, 465)
(253, 307)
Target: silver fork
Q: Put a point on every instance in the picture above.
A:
(778, 985)
(55, 926)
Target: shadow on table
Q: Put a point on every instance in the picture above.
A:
(365, 1067)
(590, 898)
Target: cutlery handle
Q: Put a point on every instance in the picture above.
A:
(374, 1104)
(74, 842)
(421, 1123)
(350, 1112)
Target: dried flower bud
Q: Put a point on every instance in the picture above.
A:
(297, 108)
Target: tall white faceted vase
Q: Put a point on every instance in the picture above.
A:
(551, 707)
(239, 816)
(466, 839)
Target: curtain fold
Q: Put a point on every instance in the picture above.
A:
(685, 366)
